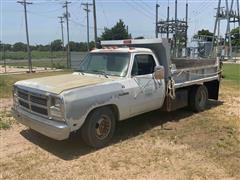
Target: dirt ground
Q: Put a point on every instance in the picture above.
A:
(156, 145)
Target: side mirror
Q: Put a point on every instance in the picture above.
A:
(158, 72)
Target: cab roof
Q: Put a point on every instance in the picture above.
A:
(121, 50)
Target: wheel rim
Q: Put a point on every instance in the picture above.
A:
(202, 99)
(103, 127)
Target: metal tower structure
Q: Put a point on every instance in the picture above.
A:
(177, 27)
(231, 15)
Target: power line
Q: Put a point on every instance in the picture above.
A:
(146, 4)
(136, 8)
(25, 3)
(41, 15)
(83, 25)
(144, 8)
(104, 13)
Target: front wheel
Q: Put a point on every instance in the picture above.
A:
(198, 98)
(99, 127)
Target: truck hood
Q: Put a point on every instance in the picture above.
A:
(60, 83)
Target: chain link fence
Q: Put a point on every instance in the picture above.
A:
(236, 52)
(14, 62)
(76, 59)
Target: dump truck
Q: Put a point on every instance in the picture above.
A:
(123, 79)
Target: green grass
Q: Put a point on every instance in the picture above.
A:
(232, 72)
(55, 63)
(4, 125)
(7, 81)
(6, 120)
(35, 54)
(57, 59)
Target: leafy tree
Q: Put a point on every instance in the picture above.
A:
(41, 47)
(74, 46)
(91, 45)
(82, 46)
(5, 47)
(19, 46)
(33, 48)
(139, 37)
(56, 45)
(205, 33)
(235, 36)
(117, 32)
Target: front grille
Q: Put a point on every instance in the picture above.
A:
(38, 100)
(23, 95)
(39, 110)
(24, 104)
(36, 103)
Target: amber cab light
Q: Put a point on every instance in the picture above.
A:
(128, 41)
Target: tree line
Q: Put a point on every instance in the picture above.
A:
(55, 45)
(117, 32)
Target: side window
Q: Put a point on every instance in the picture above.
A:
(143, 64)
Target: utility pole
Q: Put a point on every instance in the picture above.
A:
(238, 14)
(176, 31)
(61, 22)
(168, 21)
(156, 30)
(87, 11)
(186, 35)
(176, 11)
(95, 22)
(66, 15)
(25, 3)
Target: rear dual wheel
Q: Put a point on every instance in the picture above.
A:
(198, 98)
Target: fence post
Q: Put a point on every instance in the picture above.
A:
(4, 58)
(51, 55)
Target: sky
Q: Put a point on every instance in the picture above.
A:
(138, 15)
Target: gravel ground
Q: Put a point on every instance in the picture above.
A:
(156, 145)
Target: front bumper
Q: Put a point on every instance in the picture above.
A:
(53, 129)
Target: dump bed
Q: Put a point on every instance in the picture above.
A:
(183, 72)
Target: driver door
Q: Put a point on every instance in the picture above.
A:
(147, 93)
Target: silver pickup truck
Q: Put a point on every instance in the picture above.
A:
(123, 79)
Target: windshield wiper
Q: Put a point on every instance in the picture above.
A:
(101, 72)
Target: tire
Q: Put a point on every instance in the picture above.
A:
(99, 127)
(198, 98)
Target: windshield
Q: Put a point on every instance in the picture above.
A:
(115, 64)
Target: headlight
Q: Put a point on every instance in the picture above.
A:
(56, 108)
(14, 91)
(14, 94)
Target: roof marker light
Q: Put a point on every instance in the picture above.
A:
(127, 41)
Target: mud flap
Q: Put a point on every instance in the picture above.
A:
(213, 89)
(180, 101)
